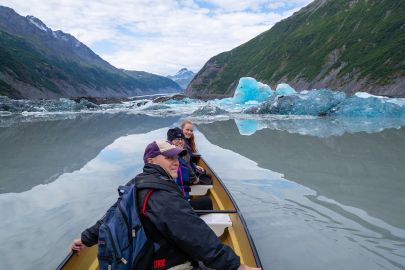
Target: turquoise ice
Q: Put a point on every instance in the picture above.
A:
(250, 90)
(284, 89)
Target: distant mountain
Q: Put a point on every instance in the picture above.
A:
(183, 77)
(36, 62)
(351, 46)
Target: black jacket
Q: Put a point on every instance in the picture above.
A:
(186, 237)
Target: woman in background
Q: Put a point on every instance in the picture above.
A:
(188, 131)
(185, 174)
(187, 127)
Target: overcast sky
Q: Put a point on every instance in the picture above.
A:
(159, 36)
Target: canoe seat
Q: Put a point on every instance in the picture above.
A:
(217, 222)
(199, 190)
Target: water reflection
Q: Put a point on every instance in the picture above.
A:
(310, 202)
(294, 225)
(361, 170)
(318, 126)
(38, 152)
(39, 224)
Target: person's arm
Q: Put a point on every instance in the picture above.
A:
(89, 236)
(176, 220)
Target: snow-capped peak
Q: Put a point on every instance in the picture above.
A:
(182, 77)
(38, 23)
(56, 34)
(182, 71)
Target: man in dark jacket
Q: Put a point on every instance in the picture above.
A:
(184, 238)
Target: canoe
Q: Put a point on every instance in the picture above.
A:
(231, 231)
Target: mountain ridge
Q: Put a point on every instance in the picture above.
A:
(183, 77)
(36, 62)
(348, 46)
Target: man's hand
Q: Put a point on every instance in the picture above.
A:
(245, 267)
(77, 245)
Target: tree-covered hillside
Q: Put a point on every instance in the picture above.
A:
(36, 62)
(355, 45)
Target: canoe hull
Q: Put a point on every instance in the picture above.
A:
(237, 236)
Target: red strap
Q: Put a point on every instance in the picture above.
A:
(146, 201)
(159, 263)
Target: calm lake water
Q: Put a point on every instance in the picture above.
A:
(310, 202)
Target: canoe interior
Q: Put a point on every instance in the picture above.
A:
(236, 236)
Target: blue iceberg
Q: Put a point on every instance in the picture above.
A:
(369, 106)
(284, 89)
(315, 102)
(325, 102)
(250, 90)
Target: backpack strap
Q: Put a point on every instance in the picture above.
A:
(145, 202)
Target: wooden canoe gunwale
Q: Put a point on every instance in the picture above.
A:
(199, 160)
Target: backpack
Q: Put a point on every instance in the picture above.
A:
(123, 244)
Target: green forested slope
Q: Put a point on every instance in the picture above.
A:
(38, 63)
(339, 44)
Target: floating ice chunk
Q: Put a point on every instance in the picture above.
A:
(155, 107)
(209, 110)
(315, 102)
(52, 105)
(250, 90)
(224, 101)
(182, 101)
(397, 101)
(369, 107)
(284, 89)
(366, 95)
(326, 102)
